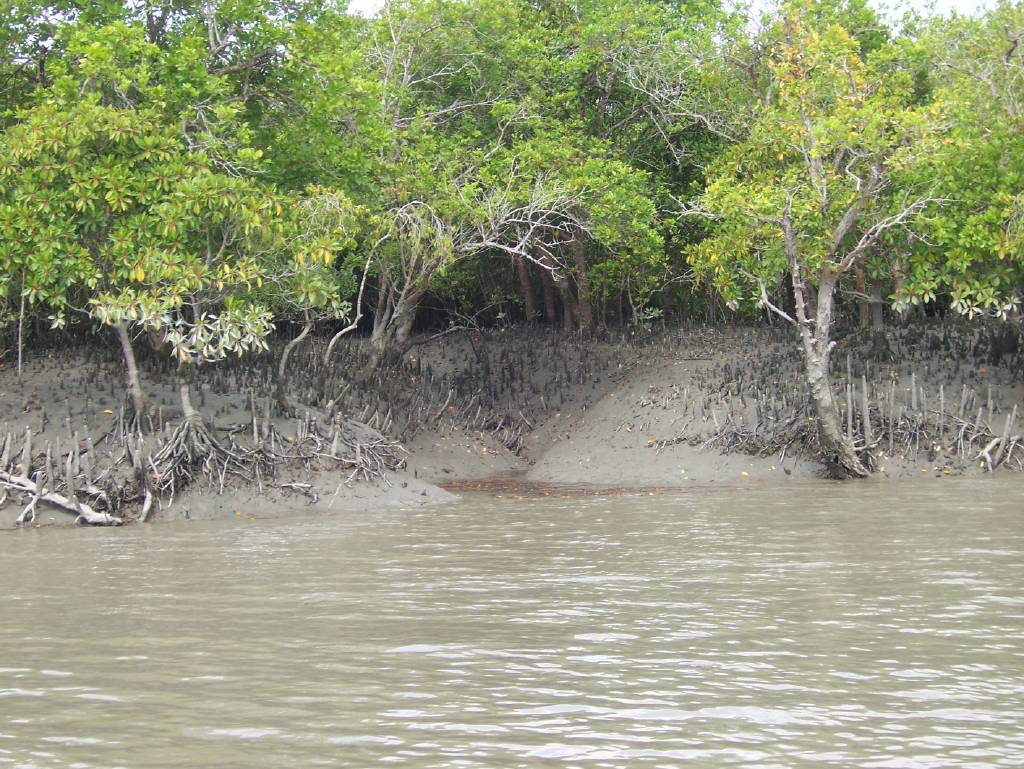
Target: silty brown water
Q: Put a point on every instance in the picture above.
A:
(869, 624)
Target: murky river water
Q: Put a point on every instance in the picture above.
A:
(766, 629)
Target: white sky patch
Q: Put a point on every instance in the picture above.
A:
(891, 8)
(364, 7)
(894, 9)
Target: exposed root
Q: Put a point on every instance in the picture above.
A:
(756, 403)
(193, 453)
(136, 470)
(347, 444)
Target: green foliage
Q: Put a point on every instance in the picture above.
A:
(826, 158)
(125, 198)
(973, 246)
(206, 168)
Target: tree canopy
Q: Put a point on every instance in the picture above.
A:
(213, 170)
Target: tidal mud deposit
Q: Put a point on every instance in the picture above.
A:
(517, 411)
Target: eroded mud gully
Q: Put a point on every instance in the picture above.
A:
(519, 411)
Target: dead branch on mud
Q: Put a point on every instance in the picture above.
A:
(132, 473)
(37, 493)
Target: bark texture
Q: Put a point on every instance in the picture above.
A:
(189, 411)
(131, 370)
(863, 305)
(877, 305)
(526, 286)
(815, 328)
(585, 312)
(550, 301)
(281, 386)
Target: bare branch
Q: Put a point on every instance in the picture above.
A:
(358, 311)
(875, 231)
(766, 302)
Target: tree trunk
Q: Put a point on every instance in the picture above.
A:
(132, 369)
(382, 312)
(391, 339)
(836, 445)
(526, 286)
(863, 306)
(550, 304)
(877, 305)
(185, 396)
(21, 325)
(280, 388)
(403, 331)
(837, 448)
(358, 313)
(585, 312)
(568, 303)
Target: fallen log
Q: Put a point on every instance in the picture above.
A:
(84, 513)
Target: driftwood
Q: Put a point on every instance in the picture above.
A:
(97, 488)
(84, 513)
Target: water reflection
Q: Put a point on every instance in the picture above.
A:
(769, 629)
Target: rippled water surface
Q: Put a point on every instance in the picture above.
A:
(869, 625)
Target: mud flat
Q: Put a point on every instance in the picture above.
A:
(516, 411)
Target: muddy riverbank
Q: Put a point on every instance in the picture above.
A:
(519, 410)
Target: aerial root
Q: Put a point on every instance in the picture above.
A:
(133, 470)
(193, 453)
(347, 444)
